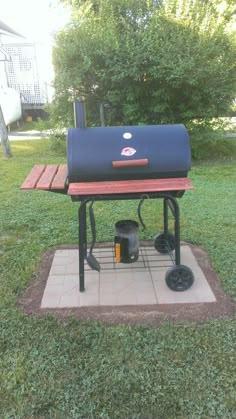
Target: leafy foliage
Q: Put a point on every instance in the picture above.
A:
(147, 61)
(208, 141)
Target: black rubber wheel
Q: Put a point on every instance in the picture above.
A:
(179, 278)
(162, 245)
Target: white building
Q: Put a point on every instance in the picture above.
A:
(24, 68)
(10, 101)
(26, 72)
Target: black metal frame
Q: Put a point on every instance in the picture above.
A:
(169, 202)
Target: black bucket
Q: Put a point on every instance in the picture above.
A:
(127, 241)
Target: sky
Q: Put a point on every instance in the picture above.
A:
(37, 20)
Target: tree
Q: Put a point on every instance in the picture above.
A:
(147, 61)
(4, 136)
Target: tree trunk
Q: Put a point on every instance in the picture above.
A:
(4, 137)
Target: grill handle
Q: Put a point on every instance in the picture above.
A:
(129, 163)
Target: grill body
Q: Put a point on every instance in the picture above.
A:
(128, 152)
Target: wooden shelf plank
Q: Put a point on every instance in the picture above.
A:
(47, 177)
(129, 186)
(31, 181)
(59, 180)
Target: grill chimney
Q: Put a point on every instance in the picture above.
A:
(79, 114)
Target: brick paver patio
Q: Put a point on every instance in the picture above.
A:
(140, 283)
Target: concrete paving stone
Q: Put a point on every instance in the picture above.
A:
(107, 287)
(104, 255)
(156, 269)
(145, 293)
(108, 299)
(69, 301)
(72, 268)
(149, 250)
(108, 276)
(103, 260)
(187, 257)
(89, 298)
(71, 281)
(55, 280)
(58, 270)
(142, 286)
(92, 281)
(61, 260)
(106, 266)
(48, 302)
(159, 257)
(125, 290)
(140, 270)
(91, 276)
(104, 250)
(130, 292)
(127, 300)
(124, 281)
(51, 296)
(74, 252)
(137, 265)
(70, 256)
(63, 252)
(53, 290)
(74, 256)
(201, 286)
(121, 268)
(146, 299)
(152, 251)
(161, 265)
(71, 295)
(143, 276)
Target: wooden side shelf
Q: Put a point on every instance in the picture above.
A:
(53, 177)
(46, 177)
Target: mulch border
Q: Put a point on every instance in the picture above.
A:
(153, 315)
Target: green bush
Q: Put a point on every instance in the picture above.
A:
(149, 62)
(55, 127)
(208, 139)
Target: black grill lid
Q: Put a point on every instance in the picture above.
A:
(128, 152)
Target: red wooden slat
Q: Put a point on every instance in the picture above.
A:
(47, 177)
(129, 186)
(31, 181)
(59, 180)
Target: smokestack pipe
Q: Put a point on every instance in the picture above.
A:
(79, 114)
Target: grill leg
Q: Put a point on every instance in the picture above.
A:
(174, 207)
(177, 231)
(82, 243)
(165, 214)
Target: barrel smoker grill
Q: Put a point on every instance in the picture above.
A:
(121, 163)
(131, 162)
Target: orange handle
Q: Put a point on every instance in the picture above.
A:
(117, 252)
(130, 163)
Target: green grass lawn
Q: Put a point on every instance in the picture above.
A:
(72, 369)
